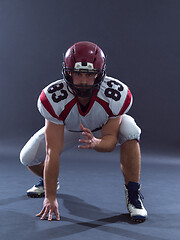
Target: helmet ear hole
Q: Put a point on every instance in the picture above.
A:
(67, 76)
(100, 78)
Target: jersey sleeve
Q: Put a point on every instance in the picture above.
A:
(116, 97)
(127, 103)
(124, 106)
(46, 109)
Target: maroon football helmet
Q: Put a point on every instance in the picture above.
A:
(84, 57)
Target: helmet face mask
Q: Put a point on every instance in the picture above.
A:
(84, 57)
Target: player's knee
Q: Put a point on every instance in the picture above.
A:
(33, 149)
(28, 153)
(128, 129)
(24, 159)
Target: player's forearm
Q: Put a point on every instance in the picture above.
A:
(105, 144)
(51, 172)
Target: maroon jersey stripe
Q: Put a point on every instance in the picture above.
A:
(67, 109)
(45, 102)
(126, 103)
(105, 105)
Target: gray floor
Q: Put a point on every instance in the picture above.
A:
(91, 199)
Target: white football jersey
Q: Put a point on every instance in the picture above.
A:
(58, 105)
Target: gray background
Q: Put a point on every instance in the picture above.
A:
(140, 37)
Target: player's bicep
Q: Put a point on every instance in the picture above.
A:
(54, 135)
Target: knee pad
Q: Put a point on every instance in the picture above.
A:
(128, 129)
(34, 151)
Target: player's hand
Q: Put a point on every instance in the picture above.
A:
(89, 140)
(49, 208)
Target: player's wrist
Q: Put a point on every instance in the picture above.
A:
(50, 198)
(104, 145)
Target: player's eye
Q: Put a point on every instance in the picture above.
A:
(77, 73)
(90, 74)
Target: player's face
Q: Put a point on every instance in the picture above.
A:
(86, 79)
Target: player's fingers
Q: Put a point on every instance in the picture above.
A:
(39, 214)
(84, 146)
(86, 141)
(84, 129)
(81, 126)
(87, 135)
(50, 215)
(45, 214)
(56, 212)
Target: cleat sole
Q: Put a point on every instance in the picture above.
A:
(138, 219)
(35, 195)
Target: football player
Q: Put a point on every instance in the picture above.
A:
(86, 109)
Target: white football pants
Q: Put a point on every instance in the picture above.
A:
(34, 151)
